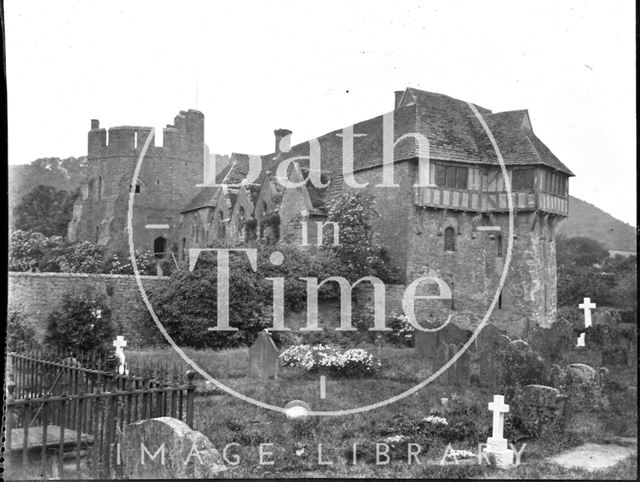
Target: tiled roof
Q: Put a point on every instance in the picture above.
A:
(233, 173)
(453, 131)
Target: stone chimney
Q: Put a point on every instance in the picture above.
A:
(95, 124)
(398, 94)
(283, 140)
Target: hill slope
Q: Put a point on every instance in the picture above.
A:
(588, 221)
(24, 177)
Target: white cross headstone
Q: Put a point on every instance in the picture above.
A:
(497, 444)
(586, 305)
(119, 343)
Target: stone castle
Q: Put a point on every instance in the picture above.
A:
(455, 226)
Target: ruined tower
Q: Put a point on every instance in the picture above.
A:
(166, 181)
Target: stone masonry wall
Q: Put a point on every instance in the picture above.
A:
(39, 294)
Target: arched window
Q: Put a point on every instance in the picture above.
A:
(97, 233)
(183, 251)
(100, 187)
(160, 247)
(449, 239)
(499, 245)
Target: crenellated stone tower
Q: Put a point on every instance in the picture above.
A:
(166, 181)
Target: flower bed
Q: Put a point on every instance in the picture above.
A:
(326, 359)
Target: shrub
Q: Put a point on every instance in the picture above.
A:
(187, 303)
(359, 250)
(355, 362)
(83, 323)
(403, 332)
(468, 420)
(145, 261)
(20, 332)
(518, 368)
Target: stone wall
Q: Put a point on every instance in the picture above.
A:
(39, 294)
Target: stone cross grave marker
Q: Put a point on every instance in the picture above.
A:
(497, 444)
(120, 343)
(263, 357)
(586, 305)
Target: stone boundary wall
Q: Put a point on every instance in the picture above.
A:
(39, 294)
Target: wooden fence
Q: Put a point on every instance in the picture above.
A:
(61, 413)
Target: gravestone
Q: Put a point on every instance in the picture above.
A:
(488, 347)
(542, 409)
(452, 334)
(597, 336)
(586, 306)
(263, 357)
(463, 367)
(425, 346)
(165, 448)
(119, 344)
(489, 337)
(442, 357)
(497, 446)
(554, 341)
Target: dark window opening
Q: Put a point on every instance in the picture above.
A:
(136, 190)
(500, 301)
(522, 180)
(222, 230)
(451, 176)
(449, 239)
(499, 245)
(183, 252)
(160, 247)
(555, 184)
(100, 187)
(97, 233)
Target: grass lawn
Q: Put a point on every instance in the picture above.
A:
(295, 444)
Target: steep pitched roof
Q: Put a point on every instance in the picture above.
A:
(452, 129)
(233, 173)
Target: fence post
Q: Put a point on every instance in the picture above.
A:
(191, 394)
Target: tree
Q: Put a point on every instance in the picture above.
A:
(46, 210)
(585, 269)
(579, 251)
(359, 248)
(83, 323)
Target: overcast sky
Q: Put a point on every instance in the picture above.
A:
(253, 66)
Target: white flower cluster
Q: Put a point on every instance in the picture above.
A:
(311, 358)
(435, 420)
(460, 454)
(395, 439)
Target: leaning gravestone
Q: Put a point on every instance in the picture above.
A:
(442, 356)
(425, 346)
(166, 448)
(452, 333)
(462, 367)
(263, 357)
(488, 347)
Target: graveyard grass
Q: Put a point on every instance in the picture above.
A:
(225, 419)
